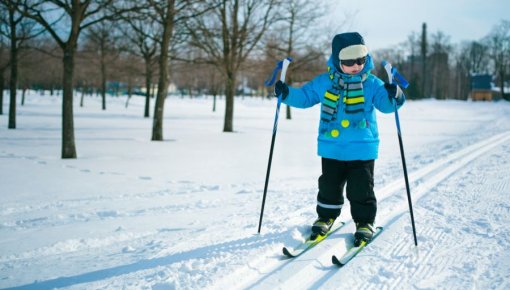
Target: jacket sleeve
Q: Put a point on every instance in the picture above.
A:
(305, 96)
(384, 103)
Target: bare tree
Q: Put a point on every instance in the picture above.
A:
(499, 50)
(440, 49)
(4, 60)
(228, 35)
(19, 30)
(4, 64)
(102, 43)
(214, 83)
(75, 16)
(141, 35)
(478, 57)
(130, 67)
(166, 11)
(171, 15)
(297, 28)
(47, 57)
(412, 70)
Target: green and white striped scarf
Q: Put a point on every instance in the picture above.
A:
(353, 101)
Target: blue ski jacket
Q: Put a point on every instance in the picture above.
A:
(346, 137)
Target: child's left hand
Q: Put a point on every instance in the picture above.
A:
(394, 91)
(280, 88)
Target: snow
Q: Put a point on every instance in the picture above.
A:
(183, 213)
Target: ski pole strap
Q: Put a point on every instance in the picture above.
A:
(272, 78)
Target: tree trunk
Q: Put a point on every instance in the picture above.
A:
(229, 101)
(2, 88)
(148, 85)
(83, 90)
(289, 113)
(214, 103)
(153, 90)
(103, 81)
(23, 93)
(290, 43)
(14, 72)
(68, 145)
(424, 45)
(157, 127)
(129, 91)
(502, 83)
(433, 78)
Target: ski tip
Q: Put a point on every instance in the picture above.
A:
(287, 253)
(335, 261)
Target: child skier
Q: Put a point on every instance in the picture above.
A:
(348, 137)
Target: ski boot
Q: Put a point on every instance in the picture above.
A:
(321, 227)
(364, 232)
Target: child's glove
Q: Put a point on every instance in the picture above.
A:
(280, 88)
(394, 92)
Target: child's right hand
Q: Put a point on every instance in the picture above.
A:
(280, 88)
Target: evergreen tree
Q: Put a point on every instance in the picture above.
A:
(424, 45)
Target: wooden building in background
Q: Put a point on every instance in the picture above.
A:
(481, 87)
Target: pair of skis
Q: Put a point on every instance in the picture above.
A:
(339, 261)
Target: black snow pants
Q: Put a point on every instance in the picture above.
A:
(358, 175)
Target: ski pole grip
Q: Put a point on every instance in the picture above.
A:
(281, 65)
(394, 75)
(387, 67)
(285, 65)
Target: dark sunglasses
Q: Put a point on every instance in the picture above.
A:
(351, 62)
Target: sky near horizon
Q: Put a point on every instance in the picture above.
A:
(390, 22)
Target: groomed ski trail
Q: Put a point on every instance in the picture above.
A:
(314, 268)
(464, 244)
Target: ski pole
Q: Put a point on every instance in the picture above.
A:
(283, 65)
(393, 75)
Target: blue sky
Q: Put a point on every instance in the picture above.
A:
(388, 22)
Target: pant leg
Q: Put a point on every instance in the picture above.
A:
(330, 197)
(360, 190)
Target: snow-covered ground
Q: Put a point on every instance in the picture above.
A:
(183, 214)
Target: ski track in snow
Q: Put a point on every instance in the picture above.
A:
(391, 214)
(446, 185)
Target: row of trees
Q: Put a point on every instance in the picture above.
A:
(204, 46)
(217, 35)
